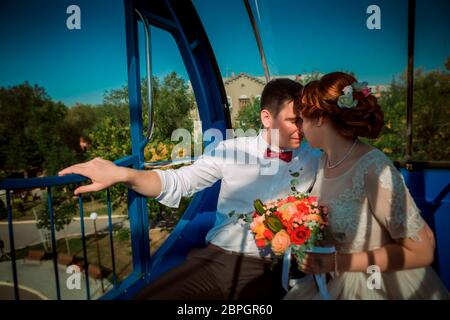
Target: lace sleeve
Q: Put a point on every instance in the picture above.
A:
(391, 202)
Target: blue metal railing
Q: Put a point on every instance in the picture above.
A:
(49, 182)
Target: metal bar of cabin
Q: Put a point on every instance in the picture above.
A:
(11, 245)
(159, 21)
(136, 202)
(83, 240)
(195, 71)
(54, 249)
(258, 40)
(111, 242)
(410, 85)
(31, 183)
(421, 165)
(150, 109)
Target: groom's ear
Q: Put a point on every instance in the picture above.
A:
(266, 118)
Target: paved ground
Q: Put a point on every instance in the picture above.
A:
(37, 281)
(26, 233)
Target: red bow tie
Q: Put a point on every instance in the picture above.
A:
(284, 155)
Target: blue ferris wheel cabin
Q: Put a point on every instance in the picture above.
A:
(429, 182)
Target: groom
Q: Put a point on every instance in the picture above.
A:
(231, 266)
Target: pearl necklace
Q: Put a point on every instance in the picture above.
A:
(329, 166)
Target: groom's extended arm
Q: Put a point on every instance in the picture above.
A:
(104, 173)
(169, 186)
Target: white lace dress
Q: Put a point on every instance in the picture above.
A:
(364, 216)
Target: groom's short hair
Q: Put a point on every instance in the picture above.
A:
(277, 92)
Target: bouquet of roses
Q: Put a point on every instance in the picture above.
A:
(296, 221)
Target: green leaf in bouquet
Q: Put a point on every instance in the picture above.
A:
(273, 223)
(231, 213)
(259, 207)
(247, 218)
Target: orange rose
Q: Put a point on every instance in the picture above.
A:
(280, 242)
(287, 210)
(258, 228)
(313, 217)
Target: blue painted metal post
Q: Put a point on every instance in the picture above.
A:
(54, 249)
(111, 241)
(136, 203)
(83, 239)
(11, 245)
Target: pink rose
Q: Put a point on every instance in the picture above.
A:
(259, 219)
(366, 91)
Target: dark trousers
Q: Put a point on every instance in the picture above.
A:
(212, 273)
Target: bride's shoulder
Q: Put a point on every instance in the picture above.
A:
(371, 152)
(373, 156)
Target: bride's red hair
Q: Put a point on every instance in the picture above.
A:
(320, 97)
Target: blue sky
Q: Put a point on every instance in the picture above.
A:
(299, 37)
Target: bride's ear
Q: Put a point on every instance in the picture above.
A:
(320, 121)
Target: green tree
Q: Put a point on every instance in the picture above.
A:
(79, 122)
(172, 103)
(249, 116)
(111, 138)
(431, 131)
(30, 130)
(63, 211)
(392, 140)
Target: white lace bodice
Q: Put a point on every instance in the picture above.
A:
(369, 205)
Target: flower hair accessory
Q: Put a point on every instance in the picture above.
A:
(353, 93)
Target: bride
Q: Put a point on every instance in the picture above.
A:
(383, 246)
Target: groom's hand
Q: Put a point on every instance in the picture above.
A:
(318, 263)
(103, 174)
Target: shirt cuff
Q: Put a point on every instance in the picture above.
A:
(167, 195)
(163, 184)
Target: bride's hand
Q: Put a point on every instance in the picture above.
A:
(318, 263)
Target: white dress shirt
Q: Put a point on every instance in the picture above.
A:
(246, 175)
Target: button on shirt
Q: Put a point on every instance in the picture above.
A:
(246, 175)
